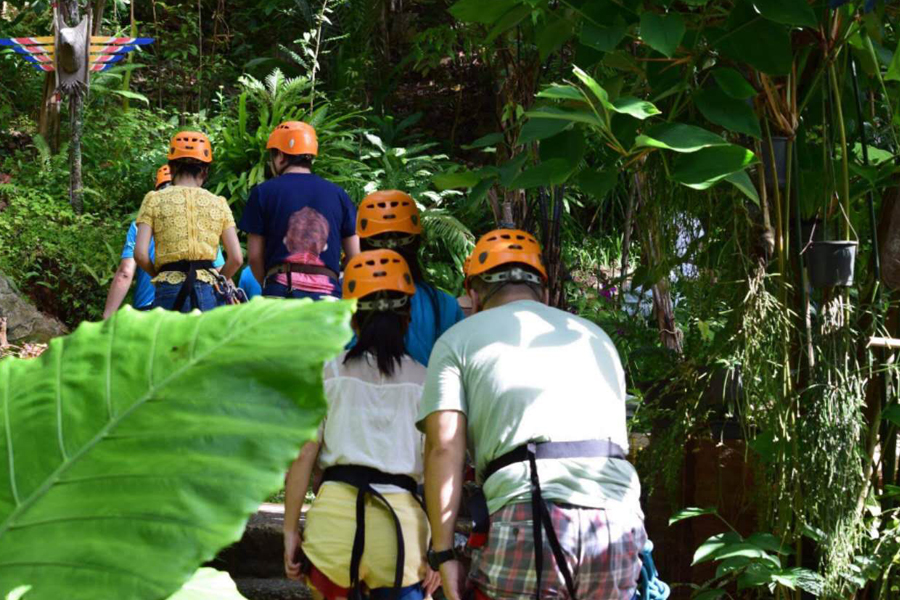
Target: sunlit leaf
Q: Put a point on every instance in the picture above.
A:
(788, 12)
(153, 426)
(711, 548)
(733, 83)
(722, 109)
(703, 169)
(690, 513)
(679, 137)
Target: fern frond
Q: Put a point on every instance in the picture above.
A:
(443, 229)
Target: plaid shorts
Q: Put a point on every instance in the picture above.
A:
(602, 547)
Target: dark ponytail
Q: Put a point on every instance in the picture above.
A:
(190, 167)
(381, 333)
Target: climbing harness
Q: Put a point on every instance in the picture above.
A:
(290, 268)
(189, 268)
(541, 520)
(363, 478)
(226, 290)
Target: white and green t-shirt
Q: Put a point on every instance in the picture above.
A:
(526, 372)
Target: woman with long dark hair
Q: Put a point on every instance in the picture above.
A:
(390, 219)
(370, 452)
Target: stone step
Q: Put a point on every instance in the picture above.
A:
(260, 552)
(272, 589)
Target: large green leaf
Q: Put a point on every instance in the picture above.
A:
(722, 109)
(788, 12)
(690, 513)
(635, 107)
(679, 137)
(569, 146)
(604, 38)
(711, 548)
(663, 33)
(703, 169)
(552, 172)
(733, 83)
(582, 115)
(136, 448)
(552, 36)
(759, 43)
(742, 181)
(479, 11)
(208, 584)
(597, 183)
(539, 129)
(893, 72)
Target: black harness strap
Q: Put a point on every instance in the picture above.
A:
(540, 513)
(189, 268)
(363, 478)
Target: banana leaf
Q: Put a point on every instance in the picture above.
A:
(135, 449)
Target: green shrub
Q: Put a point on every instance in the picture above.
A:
(63, 261)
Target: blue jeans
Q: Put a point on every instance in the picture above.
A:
(278, 290)
(410, 592)
(166, 293)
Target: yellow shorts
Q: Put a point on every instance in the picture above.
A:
(331, 525)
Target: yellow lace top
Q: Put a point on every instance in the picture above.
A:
(187, 224)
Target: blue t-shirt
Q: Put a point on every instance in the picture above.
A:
(144, 292)
(303, 219)
(249, 284)
(432, 312)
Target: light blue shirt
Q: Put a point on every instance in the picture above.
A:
(144, 292)
(249, 284)
(433, 312)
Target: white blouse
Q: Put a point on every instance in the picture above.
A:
(371, 418)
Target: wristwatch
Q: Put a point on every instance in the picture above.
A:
(436, 559)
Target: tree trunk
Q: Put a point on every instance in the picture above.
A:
(76, 186)
(97, 19)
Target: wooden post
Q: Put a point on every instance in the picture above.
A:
(70, 15)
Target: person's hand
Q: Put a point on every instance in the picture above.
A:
(453, 579)
(291, 544)
(431, 582)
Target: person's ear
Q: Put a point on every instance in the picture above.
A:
(473, 297)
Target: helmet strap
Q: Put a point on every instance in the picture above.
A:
(513, 275)
(383, 304)
(392, 243)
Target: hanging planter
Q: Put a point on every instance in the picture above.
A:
(779, 148)
(831, 264)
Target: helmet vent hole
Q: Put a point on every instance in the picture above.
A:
(395, 204)
(363, 224)
(515, 247)
(382, 205)
(371, 263)
(482, 257)
(520, 237)
(492, 238)
(506, 236)
(389, 217)
(379, 274)
(407, 278)
(352, 285)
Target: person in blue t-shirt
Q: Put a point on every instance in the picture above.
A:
(249, 284)
(390, 219)
(298, 223)
(144, 292)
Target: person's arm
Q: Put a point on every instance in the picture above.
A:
(119, 288)
(294, 496)
(445, 453)
(256, 256)
(350, 246)
(142, 249)
(233, 248)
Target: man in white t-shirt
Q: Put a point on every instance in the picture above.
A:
(538, 395)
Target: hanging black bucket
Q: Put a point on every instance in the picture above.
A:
(831, 264)
(779, 147)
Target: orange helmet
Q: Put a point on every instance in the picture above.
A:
(388, 211)
(191, 144)
(294, 137)
(505, 246)
(163, 176)
(378, 271)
